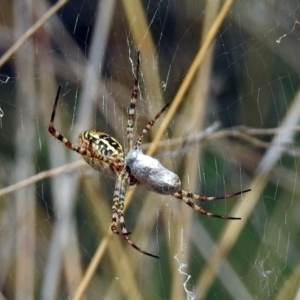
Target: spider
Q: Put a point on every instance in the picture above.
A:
(104, 153)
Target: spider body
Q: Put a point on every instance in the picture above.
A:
(100, 144)
(151, 173)
(106, 154)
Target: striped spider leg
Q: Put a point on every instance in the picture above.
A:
(125, 178)
(98, 149)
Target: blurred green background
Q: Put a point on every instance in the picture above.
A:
(51, 228)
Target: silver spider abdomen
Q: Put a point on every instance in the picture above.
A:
(151, 173)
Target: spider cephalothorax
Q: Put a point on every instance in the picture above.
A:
(106, 154)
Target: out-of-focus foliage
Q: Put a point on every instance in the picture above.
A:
(50, 229)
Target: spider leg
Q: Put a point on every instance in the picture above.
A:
(131, 109)
(186, 200)
(128, 240)
(85, 152)
(116, 202)
(117, 209)
(203, 198)
(150, 125)
(59, 136)
(120, 203)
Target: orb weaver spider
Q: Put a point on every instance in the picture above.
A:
(104, 153)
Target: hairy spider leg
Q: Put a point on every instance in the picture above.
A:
(118, 191)
(117, 211)
(83, 151)
(59, 136)
(149, 126)
(198, 209)
(131, 109)
(204, 198)
(120, 202)
(125, 233)
(128, 240)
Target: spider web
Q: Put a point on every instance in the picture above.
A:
(234, 127)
